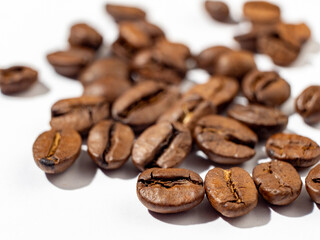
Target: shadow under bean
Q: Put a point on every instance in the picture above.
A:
(197, 162)
(127, 171)
(37, 89)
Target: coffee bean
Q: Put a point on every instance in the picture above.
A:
(231, 192)
(278, 182)
(79, 113)
(163, 145)
(54, 151)
(82, 35)
(141, 105)
(219, 90)
(152, 30)
(218, 10)
(313, 184)
(125, 13)
(261, 11)
(298, 150)
(225, 140)
(294, 34)
(308, 104)
(106, 67)
(264, 121)
(266, 88)
(110, 143)
(169, 190)
(188, 111)
(17, 79)
(70, 62)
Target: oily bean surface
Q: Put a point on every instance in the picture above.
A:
(313, 184)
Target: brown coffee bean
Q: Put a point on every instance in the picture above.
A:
(152, 30)
(298, 150)
(188, 111)
(266, 88)
(218, 10)
(308, 104)
(125, 13)
(82, 35)
(169, 190)
(106, 67)
(163, 145)
(225, 140)
(235, 64)
(17, 79)
(231, 192)
(313, 184)
(264, 121)
(110, 143)
(70, 62)
(261, 11)
(141, 105)
(79, 113)
(278, 182)
(55, 151)
(294, 34)
(219, 90)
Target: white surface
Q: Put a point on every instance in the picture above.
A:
(87, 203)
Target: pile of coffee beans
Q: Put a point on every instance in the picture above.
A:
(132, 108)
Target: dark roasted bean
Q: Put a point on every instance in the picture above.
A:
(218, 10)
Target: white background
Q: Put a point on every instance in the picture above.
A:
(85, 202)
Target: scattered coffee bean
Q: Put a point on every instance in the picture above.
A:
(313, 184)
(298, 150)
(225, 140)
(54, 151)
(218, 10)
(170, 190)
(261, 11)
(278, 182)
(231, 192)
(125, 13)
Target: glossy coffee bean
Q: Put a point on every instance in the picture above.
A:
(83, 35)
(79, 113)
(218, 10)
(266, 88)
(298, 150)
(264, 121)
(17, 79)
(169, 190)
(224, 140)
(188, 111)
(231, 192)
(294, 35)
(313, 184)
(163, 145)
(54, 151)
(308, 104)
(141, 105)
(278, 182)
(70, 62)
(261, 11)
(125, 13)
(109, 144)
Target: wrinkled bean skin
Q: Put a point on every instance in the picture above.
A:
(312, 183)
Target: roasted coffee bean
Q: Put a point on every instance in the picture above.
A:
(106, 67)
(298, 150)
(54, 151)
(313, 184)
(218, 10)
(295, 35)
(188, 111)
(82, 35)
(163, 145)
(278, 182)
(207, 59)
(264, 121)
(17, 79)
(308, 104)
(108, 87)
(110, 143)
(169, 190)
(231, 192)
(152, 30)
(141, 105)
(79, 113)
(225, 140)
(70, 62)
(266, 88)
(125, 13)
(261, 11)
(219, 90)
(235, 64)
